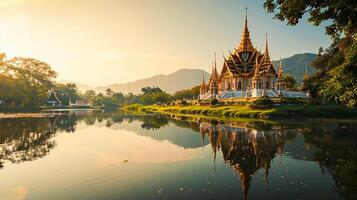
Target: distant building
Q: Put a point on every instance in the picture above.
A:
(247, 73)
(52, 99)
(80, 102)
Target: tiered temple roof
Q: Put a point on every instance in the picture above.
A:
(243, 60)
(52, 97)
(214, 79)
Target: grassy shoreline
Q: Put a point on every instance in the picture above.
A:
(244, 111)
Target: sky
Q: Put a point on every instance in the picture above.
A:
(100, 42)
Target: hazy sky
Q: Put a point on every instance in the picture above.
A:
(99, 42)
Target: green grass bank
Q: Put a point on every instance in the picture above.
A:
(245, 111)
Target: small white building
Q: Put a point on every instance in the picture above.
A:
(80, 102)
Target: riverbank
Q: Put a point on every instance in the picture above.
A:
(245, 111)
(24, 115)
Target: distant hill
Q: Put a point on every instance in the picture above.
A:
(81, 87)
(188, 78)
(295, 65)
(181, 79)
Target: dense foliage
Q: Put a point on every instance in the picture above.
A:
(149, 96)
(187, 94)
(335, 67)
(341, 14)
(262, 103)
(214, 102)
(290, 82)
(67, 92)
(24, 82)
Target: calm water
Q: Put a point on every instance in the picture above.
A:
(85, 155)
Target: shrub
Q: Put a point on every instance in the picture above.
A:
(262, 103)
(214, 102)
(183, 102)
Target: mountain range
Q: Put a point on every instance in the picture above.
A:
(188, 78)
(296, 65)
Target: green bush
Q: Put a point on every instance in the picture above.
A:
(262, 103)
(214, 102)
(183, 102)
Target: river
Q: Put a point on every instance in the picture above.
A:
(96, 155)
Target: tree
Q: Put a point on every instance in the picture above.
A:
(147, 99)
(335, 76)
(67, 92)
(162, 97)
(98, 100)
(89, 94)
(31, 80)
(151, 90)
(342, 80)
(109, 92)
(187, 93)
(119, 98)
(341, 14)
(289, 82)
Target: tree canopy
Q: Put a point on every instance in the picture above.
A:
(25, 82)
(340, 14)
(290, 82)
(336, 67)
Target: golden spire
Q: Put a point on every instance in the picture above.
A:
(215, 62)
(266, 45)
(280, 72)
(245, 42)
(246, 20)
(203, 77)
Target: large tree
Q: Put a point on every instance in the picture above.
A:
(29, 79)
(67, 92)
(336, 66)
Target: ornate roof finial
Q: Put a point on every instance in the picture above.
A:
(215, 59)
(266, 45)
(280, 72)
(215, 62)
(245, 42)
(246, 18)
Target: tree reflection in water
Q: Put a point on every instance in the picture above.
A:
(26, 139)
(246, 147)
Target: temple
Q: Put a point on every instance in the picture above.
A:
(53, 99)
(247, 73)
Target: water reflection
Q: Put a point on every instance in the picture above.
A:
(245, 150)
(26, 139)
(246, 147)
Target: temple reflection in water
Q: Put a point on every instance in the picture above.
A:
(245, 149)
